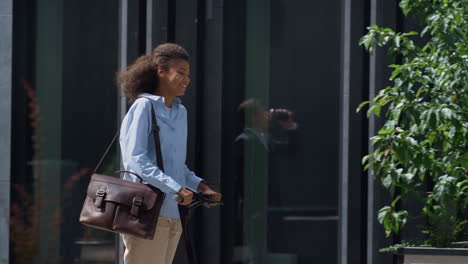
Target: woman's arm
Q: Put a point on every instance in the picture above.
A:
(191, 180)
(197, 184)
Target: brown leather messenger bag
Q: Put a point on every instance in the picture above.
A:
(122, 206)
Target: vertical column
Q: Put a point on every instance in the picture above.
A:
(257, 86)
(128, 50)
(382, 13)
(186, 32)
(47, 165)
(136, 24)
(6, 36)
(344, 132)
(122, 55)
(353, 134)
(49, 72)
(211, 124)
(232, 94)
(149, 26)
(370, 181)
(121, 101)
(183, 27)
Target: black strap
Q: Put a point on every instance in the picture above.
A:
(157, 142)
(105, 153)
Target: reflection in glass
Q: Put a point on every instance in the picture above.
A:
(264, 133)
(269, 128)
(64, 114)
(283, 164)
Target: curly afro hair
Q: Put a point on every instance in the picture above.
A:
(141, 77)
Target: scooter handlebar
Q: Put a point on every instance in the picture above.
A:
(198, 199)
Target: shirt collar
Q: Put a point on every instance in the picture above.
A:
(158, 98)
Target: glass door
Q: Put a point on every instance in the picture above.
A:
(65, 114)
(283, 169)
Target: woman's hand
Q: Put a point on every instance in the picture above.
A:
(205, 189)
(186, 196)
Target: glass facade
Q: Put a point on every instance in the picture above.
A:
(265, 111)
(283, 99)
(64, 114)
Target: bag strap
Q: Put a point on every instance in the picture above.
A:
(157, 142)
(106, 152)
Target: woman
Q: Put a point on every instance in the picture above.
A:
(156, 81)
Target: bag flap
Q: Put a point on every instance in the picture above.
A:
(123, 192)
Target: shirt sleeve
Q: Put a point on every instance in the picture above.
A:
(136, 140)
(192, 181)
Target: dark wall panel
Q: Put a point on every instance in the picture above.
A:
(305, 79)
(303, 174)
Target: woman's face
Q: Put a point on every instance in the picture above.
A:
(174, 80)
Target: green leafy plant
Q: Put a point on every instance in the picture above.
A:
(423, 142)
(395, 248)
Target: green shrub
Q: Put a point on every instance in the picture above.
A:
(425, 135)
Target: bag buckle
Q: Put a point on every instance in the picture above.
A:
(100, 194)
(136, 204)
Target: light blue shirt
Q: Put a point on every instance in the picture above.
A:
(139, 154)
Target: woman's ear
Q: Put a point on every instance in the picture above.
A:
(160, 71)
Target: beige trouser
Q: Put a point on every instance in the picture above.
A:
(160, 250)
